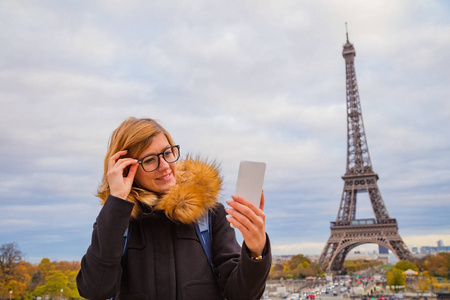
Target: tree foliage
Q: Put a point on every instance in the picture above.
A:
(395, 277)
(436, 265)
(352, 266)
(12, 273)
(25, 280)
(298, 266)
(406, 265)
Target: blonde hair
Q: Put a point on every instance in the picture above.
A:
(134, 135)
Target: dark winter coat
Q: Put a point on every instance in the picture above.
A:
(165, 259)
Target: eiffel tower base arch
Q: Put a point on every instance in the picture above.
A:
(345, 237)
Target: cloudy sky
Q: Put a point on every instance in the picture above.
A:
(231, 80)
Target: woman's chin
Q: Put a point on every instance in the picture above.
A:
(166, 186)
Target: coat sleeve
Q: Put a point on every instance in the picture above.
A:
(100, 273)
(240, 277)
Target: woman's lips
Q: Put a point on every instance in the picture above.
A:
(165, 177)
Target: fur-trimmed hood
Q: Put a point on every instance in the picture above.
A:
(197, 190)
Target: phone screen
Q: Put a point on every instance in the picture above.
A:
(250, 181)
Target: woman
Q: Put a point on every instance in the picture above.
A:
(160, 199)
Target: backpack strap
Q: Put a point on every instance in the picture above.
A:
(203, 228)
(126, 236)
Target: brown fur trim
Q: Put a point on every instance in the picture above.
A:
(197, 190)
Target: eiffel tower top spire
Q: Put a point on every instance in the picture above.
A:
(349, 50)
(346, 32)
(358, 158)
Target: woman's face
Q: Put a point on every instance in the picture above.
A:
(163, 178)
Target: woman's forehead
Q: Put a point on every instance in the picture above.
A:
(158, 143)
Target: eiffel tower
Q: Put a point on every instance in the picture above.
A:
(347, 232)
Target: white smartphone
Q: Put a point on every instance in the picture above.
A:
(250, 181)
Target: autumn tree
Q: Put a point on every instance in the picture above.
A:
(72, 289)
(45, 268)
(66, 266)
(52, 277)
(298, 261)
(299, 266)
(406, 265)
(423, 283)
(439, 265)
(13, 274)
(395, 277)
(351, 266)
(436, 265)
(54, 283)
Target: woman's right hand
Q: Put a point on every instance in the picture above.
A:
(120, 186)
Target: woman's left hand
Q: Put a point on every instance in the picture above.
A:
(250, 221)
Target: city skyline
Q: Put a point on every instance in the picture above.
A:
(230, 81)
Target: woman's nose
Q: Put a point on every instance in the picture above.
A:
(163, 164)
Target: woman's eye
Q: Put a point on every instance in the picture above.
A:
(148, 160)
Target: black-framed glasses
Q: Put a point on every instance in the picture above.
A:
(151, 162)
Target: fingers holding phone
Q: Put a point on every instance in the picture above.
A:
(246, 212)
(250, 221)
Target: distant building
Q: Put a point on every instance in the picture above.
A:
(444, 249)
(383, 253)
(383, 250)
(428, 250)
(441, 247)
(433, 250)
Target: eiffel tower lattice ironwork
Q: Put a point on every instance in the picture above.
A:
(347, 232)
